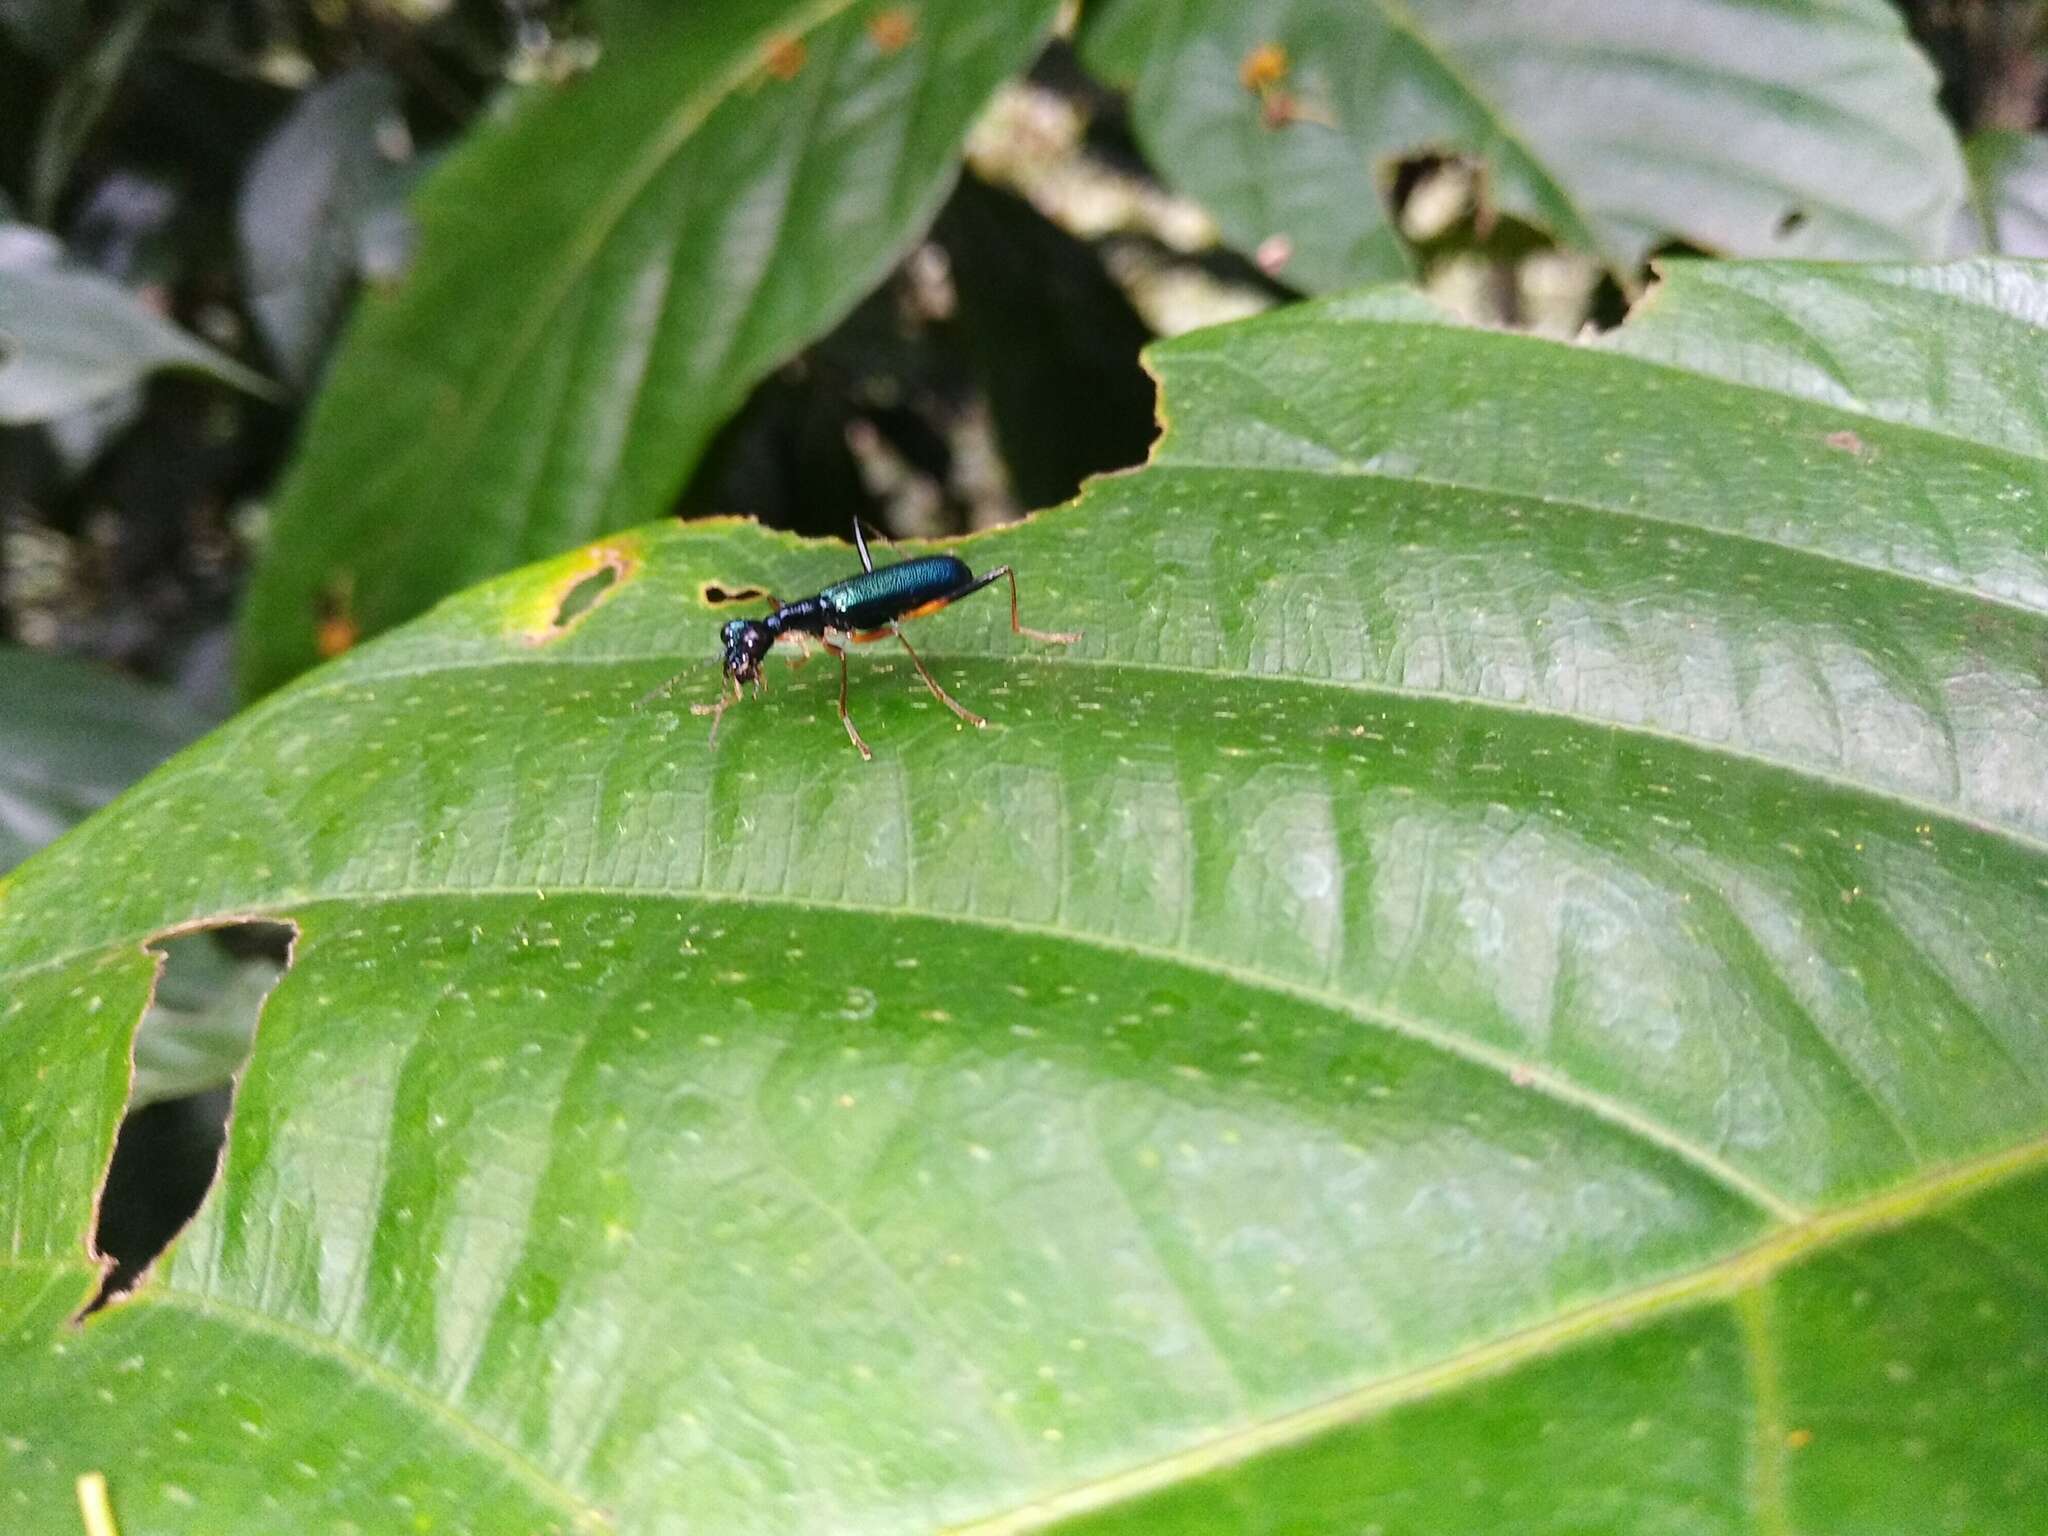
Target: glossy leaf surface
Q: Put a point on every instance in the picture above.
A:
(600, 279)
(1800, 129)
(1498, 990)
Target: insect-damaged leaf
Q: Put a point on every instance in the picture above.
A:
(1796, 129)
(600, 278)
(1499, 988)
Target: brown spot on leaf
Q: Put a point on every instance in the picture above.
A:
(785, 56)
(334, 626)
(1798, 1439)
(1848, 442)
(1263, 68)
(891, 30)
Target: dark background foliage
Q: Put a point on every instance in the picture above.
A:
(132, 130)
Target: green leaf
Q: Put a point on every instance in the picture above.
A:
(69, 337)
(2008, 209)
(1498, 989)
(72, 736)
(1805, 128)
(600, 280)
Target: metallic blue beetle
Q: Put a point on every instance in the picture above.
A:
(871, 606)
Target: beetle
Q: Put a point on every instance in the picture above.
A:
(875, 605)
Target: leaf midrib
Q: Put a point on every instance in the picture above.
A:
(2016, 837)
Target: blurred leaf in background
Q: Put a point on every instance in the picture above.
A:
(83, 93)
(72, 736)
(70, 337)
(1800, 129)
(47, 29)
(309, 203)
(2008, 207)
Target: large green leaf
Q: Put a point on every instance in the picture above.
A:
(1798, 128)
(601, 278)
(1499, 989)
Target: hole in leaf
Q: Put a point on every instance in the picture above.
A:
(190, 1047)
(1792, 222)
(582, 597)
(714, 595)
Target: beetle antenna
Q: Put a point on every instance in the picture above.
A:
(861, 543)
(660, 690)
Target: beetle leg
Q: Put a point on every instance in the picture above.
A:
(845, 719)
(939, 693)
(1049, 636)
(717, 711)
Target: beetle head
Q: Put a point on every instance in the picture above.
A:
(747, 641)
